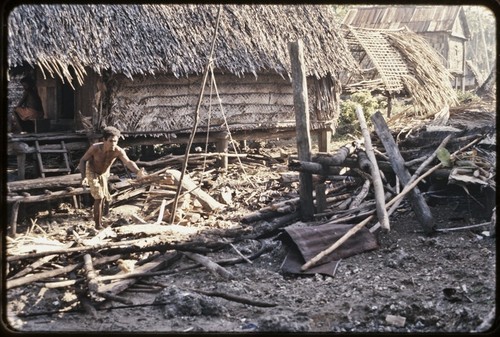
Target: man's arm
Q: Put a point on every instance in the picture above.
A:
(83, 161)
(132, 166)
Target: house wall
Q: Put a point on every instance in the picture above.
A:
(167, 103)
(456, 55)
(438, 41)
(85, 95)
(14, 92)
(61, 102)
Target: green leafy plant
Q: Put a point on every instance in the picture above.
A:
(467, 96)
(348, 122)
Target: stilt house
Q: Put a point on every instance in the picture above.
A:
(140, 67)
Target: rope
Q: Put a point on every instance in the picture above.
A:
(229, 132)
(196, 117)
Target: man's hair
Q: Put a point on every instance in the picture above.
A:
(110, 131)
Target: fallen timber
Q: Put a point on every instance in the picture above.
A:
(394, 201)
(417, 201)
(375, 174)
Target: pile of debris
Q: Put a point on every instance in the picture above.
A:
(422, 164)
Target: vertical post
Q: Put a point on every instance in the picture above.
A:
(21, 164)
(324, 140)
(389, 105)
(222, 147)
(300, 102)
(13, 218)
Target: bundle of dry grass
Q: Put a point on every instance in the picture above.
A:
(429, 83)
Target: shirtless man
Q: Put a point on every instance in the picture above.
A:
(95, 165)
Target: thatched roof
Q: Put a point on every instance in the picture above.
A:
(417, 18)
(149, 39)
(400, 61)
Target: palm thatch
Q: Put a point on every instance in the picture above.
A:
(151, 39)
(400, 61)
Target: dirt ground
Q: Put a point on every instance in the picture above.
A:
(412, 283)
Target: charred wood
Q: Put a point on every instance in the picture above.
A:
(417, 201)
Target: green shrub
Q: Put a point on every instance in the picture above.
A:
(467, 96)
(348, 122)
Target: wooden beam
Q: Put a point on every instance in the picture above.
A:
(203, 197)
(378, 187)
(300, 101)
(324, 140)
(45, 183)
(419, 206)
(221, 147)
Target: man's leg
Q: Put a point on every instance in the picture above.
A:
(98, 213)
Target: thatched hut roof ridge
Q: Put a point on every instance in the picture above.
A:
(142, 39)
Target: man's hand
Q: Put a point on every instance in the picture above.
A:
(141, 173)
(85, 182)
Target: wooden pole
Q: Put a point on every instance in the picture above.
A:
(377, 180)
(222, 147)
(324, 141)
(419, 206)
(300, 101)
(393, 201)
(13, 218)
(196, 116)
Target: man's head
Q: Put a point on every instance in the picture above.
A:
(111, 136)
(110, 131)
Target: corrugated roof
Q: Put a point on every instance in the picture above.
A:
(419, 19)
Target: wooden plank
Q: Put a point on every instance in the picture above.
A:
(45, 197)
(203, 197)
(300, 100)
(121, 285)
(45, 183)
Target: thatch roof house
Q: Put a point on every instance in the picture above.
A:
(399, 62)
(139, 67)
(444, 27)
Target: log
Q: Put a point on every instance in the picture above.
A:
(51, 273)
(377, 181)
(13, 218)
(129, 243)
(210, 265)
(336, 159)
(45, 183)
(363, 161)
(40, 262)
(320, 197)
(204, 198)
(417, 201)
(301, 106)
(422, 166)
(121, 285)
(46, 197)
(40, 276)
(401, 195)
(90, 274)
(358, 199)
(269, 228)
